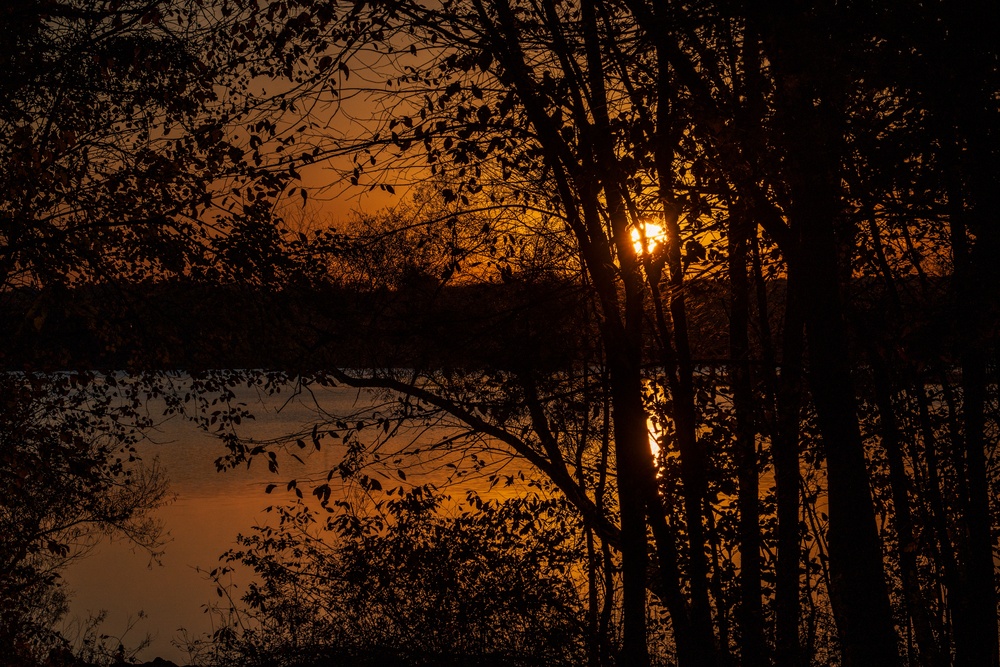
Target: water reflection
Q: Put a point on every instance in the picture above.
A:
(209, 511)
(211, 508)
(173, 594)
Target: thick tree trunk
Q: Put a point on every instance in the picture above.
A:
(810, 110)
(962, 102)
(630, 439)
(859, 595)
(977, 288)
(975, 279)
(753, 648)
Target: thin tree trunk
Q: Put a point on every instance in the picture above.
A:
(786, 390)
(928, 653)
(722, 604)
(979, 646)
(692, 456)
(694, 635)
(940, 521)
(680, 373)
(906, 551)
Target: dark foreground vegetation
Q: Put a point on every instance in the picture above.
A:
(705, 295)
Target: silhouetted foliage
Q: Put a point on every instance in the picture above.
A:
(71, 476)
(411, 585)
(806, 143)
(114, 140)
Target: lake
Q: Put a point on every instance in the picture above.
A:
(209, 511)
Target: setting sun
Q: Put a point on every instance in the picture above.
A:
(654, 235)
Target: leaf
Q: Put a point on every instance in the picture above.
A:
(343, 68)
(484, 60)
(694, 250)
(270, 488)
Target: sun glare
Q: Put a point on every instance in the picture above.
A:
(654, 440)
(654, 235)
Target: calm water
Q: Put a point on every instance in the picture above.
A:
(209, 511)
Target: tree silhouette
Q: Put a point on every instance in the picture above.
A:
(823, 170)
(115, 150)
(766, 142)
